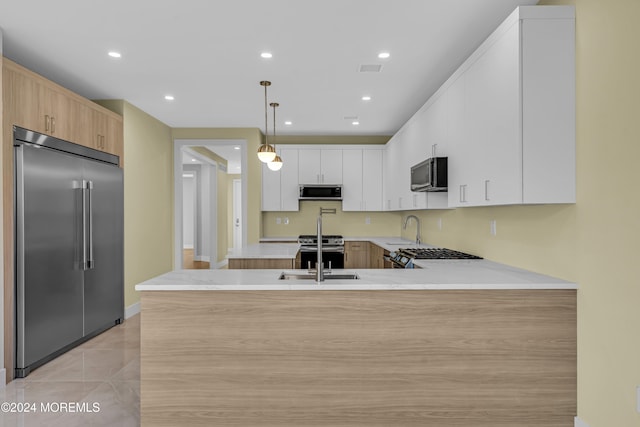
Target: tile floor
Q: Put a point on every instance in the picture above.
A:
(102, 374)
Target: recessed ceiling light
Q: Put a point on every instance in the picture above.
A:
(383, 55)
(266, 55)
(366, 98)
(115, 54)
(356, 123)
(288, 123)
(236, 148)
(169, 97)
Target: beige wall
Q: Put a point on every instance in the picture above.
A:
(148, 197)
(349, 224)
(253, 173)
(595, 241)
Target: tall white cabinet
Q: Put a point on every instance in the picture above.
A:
(280, 188)
(362, 179)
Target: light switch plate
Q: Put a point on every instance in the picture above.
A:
(278, 220)
(367, 220)
(493, 227)
(286, 220)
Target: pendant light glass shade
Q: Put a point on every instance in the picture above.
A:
(276, 163)
(266, 152)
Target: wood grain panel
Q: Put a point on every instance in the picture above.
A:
(260, 263)
(359, 358)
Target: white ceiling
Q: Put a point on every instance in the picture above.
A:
(206, 53)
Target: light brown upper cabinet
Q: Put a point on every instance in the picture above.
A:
(35, 103)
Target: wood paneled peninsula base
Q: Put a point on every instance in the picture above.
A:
(359, 358)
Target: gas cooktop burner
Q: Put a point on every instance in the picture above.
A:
(436, 253)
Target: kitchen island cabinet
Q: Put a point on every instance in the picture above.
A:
(413, 348)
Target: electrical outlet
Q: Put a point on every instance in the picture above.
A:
(493, 227)
(367, 220)
(439, 223)
(278, 220)
(286, 220)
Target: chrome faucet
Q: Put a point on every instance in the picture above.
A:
(404, 227)
(319, 264)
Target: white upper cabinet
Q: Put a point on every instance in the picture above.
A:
(288, 182)
(362, 179)
(280, 188)
(372, 179)
(320, 166)
(511, 114)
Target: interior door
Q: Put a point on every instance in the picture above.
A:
(104, 280)
(49, 278)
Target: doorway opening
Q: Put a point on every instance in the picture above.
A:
(209, 198)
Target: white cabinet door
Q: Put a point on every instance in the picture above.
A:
(289, 180)
(393, 165)
(320, 166)
(352, 164)
(331, 166)
(309, 166)
(456, 140)
(270, 189)
(501, 176)
(435, 127)
(372, 179)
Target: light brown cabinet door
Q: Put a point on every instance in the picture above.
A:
(22, 96)
(356, 254)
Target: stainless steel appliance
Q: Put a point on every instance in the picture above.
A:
(430, 175)
(404, 257)
(69, 246)
(332, 250)
(320, 192)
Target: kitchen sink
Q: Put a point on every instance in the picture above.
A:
(311, 276)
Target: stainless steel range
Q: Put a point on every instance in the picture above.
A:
(404, 257)
(332, 250)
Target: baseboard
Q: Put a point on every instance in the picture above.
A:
(577, 422)
(132, 310)
(3, 378)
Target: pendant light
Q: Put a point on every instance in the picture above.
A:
(266, 152)
(276, 163)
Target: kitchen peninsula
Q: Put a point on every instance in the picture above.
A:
(456, 343)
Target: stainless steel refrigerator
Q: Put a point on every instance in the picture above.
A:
(69, 246)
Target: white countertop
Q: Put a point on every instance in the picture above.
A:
(267, 251)
(434, 275)
(275, 247)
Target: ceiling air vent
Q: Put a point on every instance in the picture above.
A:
(370, 68)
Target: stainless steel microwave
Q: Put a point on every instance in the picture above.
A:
(320, 192)
(430, 175)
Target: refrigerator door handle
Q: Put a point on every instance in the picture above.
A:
(90, 262)
(84, 225)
